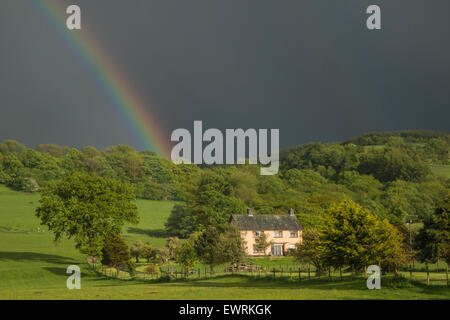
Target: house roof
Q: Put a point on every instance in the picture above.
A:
(259, 222)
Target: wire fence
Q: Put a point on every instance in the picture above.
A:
(297, 273)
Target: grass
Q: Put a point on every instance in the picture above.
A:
(231, 287)
(33, 267)
(153, 215)
(441, 170)
(29, 258)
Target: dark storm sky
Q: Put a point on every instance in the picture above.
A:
(310, 68)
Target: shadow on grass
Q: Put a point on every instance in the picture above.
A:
(58, 271)
(32, 256)
(156, 233)
(244, 281)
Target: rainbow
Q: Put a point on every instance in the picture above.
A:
(108, 76)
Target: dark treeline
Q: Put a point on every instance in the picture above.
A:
(387, 173)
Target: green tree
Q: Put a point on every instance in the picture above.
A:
(172, 244)
(115, 252)
(212, 202)
(348, 236)
(214, 246)
(148, 252)
(180, 222)
(30, 185)
(137, 250)
(310, 250)
(186, 256)
(391, 251)
(52, 149)
(392, 163)
(232, 243)
(164, 255)
(87, 208)
(433, 240)
(262, 243)
(12, 146)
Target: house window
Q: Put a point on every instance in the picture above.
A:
(256, 249)
(278, 234)
(293, 234)
(292, 246)
(257, 233)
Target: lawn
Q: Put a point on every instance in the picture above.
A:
(229, 287)
(33, 267)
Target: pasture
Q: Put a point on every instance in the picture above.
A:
(441, 170)
(33, 267)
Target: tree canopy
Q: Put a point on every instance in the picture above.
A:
(87, 208)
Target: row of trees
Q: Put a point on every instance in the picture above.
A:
(214, 194)
(92, 210)
(392, 180)
(212, 247)
(28, 170)
(353, 237)
(350, 237)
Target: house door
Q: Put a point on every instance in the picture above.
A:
(277, 249)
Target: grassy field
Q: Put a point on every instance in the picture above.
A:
(29, 258)
(441, 170)
(33, 267)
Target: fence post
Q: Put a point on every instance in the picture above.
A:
(410, 272)
(446, 274)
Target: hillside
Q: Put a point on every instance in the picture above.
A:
(393, 174)
(29, 259)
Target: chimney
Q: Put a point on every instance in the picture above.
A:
(291, 212)
(249, 212)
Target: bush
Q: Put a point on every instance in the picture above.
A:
(30, 185)
(152, 268)
(397, 281)
(131, 268)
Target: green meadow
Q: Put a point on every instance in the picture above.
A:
(441, 170)
(32, 266)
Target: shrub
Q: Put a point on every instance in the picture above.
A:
(152, 268)
(397, 281)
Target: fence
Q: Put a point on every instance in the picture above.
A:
(297, 272)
